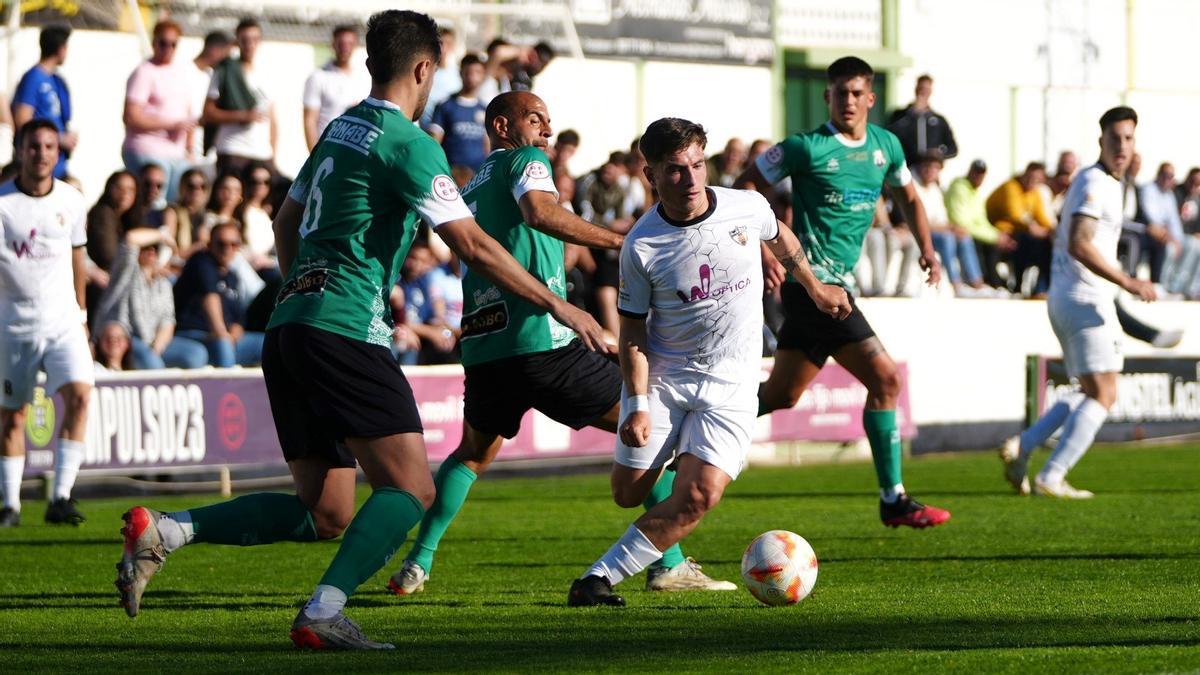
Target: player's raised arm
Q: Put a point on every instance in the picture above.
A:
(914, 213)
(829, 298)
(486, 257)
(542, 211)
(1080, 246)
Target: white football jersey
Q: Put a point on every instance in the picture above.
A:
(700, 286)
(37, 283)
(1097, 194)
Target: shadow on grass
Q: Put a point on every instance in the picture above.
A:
(557, 638)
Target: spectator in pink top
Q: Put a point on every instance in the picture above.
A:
(159, 119)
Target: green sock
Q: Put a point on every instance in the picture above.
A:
(378, 529)
(249, 520)
(453, 482)
(884, 437)
(662, 489)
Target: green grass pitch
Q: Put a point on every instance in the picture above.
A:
(1010, 584)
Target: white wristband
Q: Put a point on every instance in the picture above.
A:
(637, 404)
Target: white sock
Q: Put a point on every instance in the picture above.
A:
(67, 459)
(1078, 433)
(325, 602)
(1045, 426)
(176, 530)
(890, 495)
(632, 553)
(11, 468)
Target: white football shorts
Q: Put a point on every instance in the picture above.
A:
(1089, 333)
(64, 358)
(694, 415)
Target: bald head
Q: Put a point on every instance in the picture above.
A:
(516, 119)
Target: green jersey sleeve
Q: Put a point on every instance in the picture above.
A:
(528, 171)
(299, 190)
(424, 183)
(783, 159)
(898, 174)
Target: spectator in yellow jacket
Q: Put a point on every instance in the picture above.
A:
(1017, 209)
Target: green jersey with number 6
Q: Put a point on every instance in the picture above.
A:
(497, 324)
(366, 183)
(835, 184)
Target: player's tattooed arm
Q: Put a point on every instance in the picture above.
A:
(1080, 246)
(829, 298)
(542, 212)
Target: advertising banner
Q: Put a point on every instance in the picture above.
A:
(1156, 397)
(143, 421)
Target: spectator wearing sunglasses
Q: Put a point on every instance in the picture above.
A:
(159, 119)
(208, 305)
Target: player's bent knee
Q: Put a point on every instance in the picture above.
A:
(887, 384)
(627, 497)
(330, 523)
(700, 499)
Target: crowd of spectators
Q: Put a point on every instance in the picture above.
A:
(182, 266)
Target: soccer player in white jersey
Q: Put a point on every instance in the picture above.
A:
(42, 319)
(690, 345)
(1085, 277)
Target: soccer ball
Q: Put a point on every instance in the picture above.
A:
(779, 568)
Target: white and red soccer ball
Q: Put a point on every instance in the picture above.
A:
(779, 568)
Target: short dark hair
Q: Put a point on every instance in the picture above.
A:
(568, 137)
(52, 38)
(471, 59)
(396, 39)
(504, 105)
(32, 126)
(496, 44)
(848, 68)
(924, 77)
(617, 158)
(167, 25)
(247, 23)
(670, 134)
(1035, 166)
(217, 38)
(1117, 114)
(344, 28)
(544, 51)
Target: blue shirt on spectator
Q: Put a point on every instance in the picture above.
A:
(47, 94)
(1161, 208)
(450, 287)
(419, 296)
(460, 120)
(200, 276)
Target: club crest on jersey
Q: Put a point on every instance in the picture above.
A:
(444, 188)
(832, 165)
(536, 171)
(879, 159)
(738, 234)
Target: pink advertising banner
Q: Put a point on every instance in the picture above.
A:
(150, 420)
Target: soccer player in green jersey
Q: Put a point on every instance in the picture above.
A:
(837, 172)
(337, 396)
(515, 355)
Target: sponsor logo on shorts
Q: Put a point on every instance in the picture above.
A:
(39, 425)
(444, 188)
(537, 171)
(491, 318)
(308, 282)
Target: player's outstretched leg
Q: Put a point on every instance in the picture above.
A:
(399, 475)
(1084, 421)
(1017, 450)
(674, 571)
(870, 363)
(699, 487)
(249, 520)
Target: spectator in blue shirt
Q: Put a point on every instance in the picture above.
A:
(207, 303)
(457, 122)
(43, 94)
